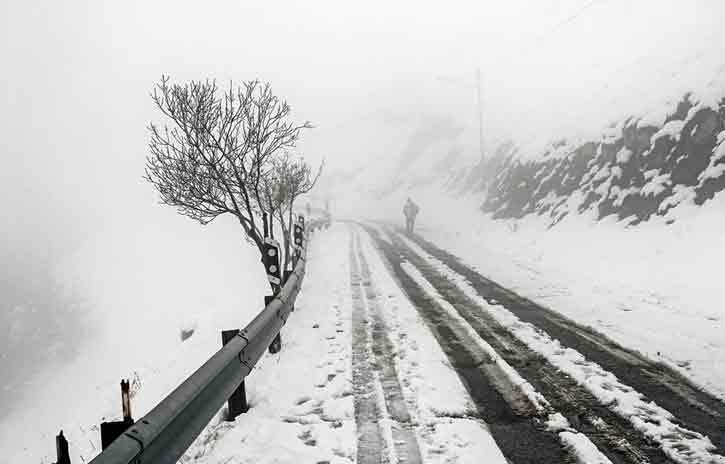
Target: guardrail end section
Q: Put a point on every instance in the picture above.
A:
(237, 403)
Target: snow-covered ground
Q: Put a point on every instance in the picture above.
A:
(301, 404)
(652, 287)
(141, 290)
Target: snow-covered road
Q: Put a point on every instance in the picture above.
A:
(360, 378)
(398, 352)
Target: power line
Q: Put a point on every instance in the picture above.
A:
(566, 21)
(525, 44)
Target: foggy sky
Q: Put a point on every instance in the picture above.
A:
(76, 77)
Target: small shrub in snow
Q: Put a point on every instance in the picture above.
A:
(185, 334)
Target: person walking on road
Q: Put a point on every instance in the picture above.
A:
(410, 211)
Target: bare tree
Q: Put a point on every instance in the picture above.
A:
(273, 193)
(217, 150)
(291, 178)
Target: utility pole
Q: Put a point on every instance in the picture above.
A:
(480, 112)
(479, 105)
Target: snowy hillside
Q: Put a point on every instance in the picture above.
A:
(141, 287)
(640, 167)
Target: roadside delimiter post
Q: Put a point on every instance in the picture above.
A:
(61, 449)
(114, 429)
(270, 258)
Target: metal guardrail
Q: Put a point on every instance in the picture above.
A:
(166, 432)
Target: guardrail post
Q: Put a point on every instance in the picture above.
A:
(114, 429)
(276, 344)
(287, 274)
(61, 449)
(237, 403)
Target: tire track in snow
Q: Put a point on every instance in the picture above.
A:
(511, 416)
(614, 436)
(445, 417)
(392, 417)
(695, 409)
(370, 440)
(647, 418)
(406, 444)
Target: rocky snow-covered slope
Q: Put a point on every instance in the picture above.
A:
(638, 168)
